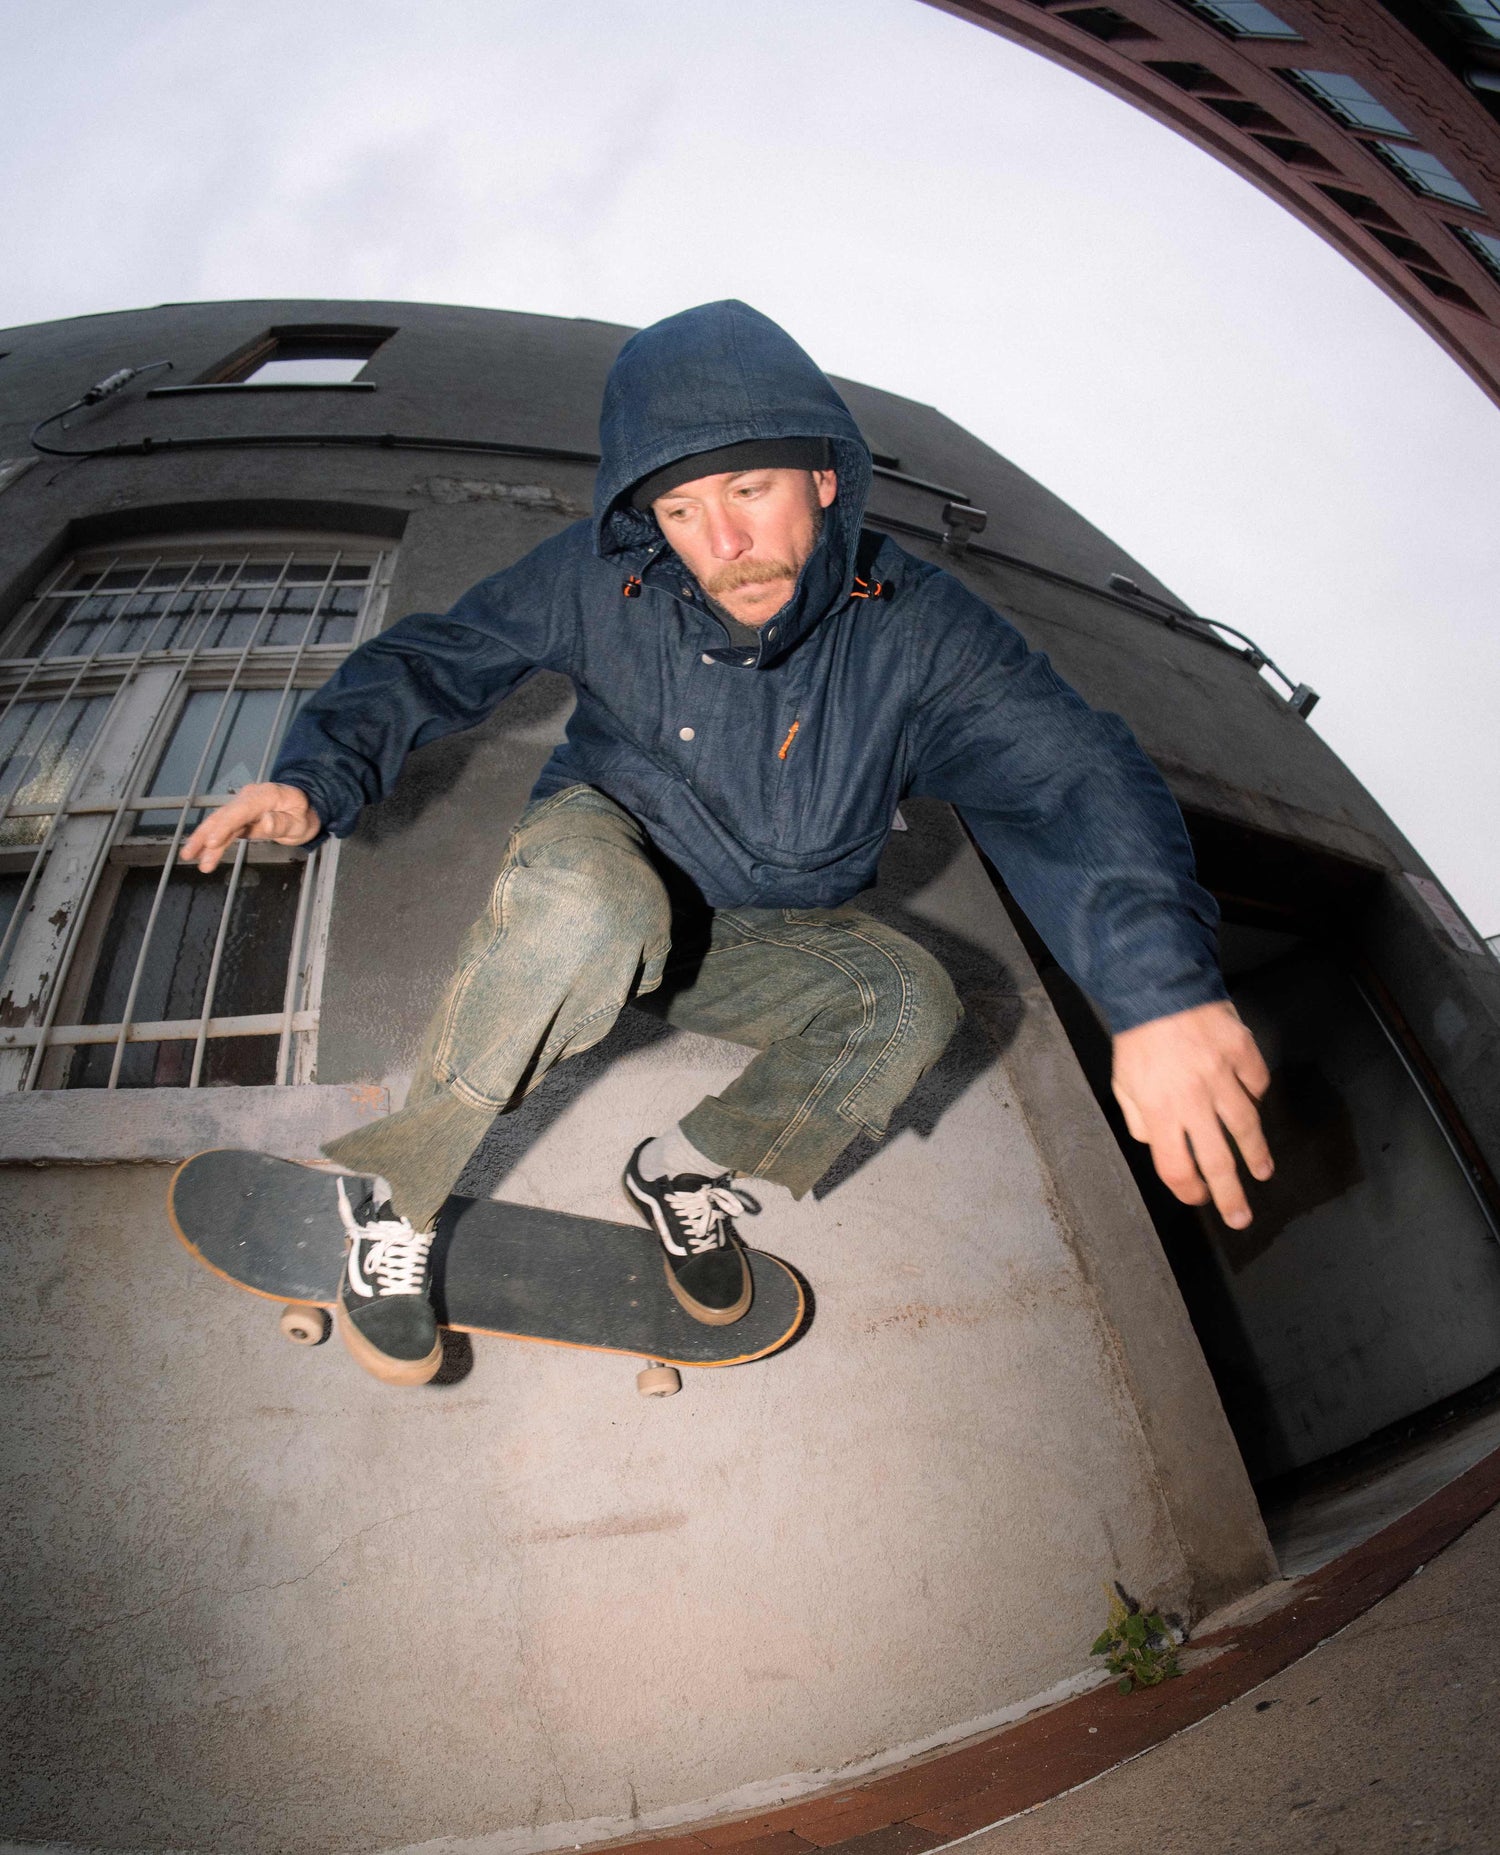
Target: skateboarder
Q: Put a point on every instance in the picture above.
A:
(759, 682)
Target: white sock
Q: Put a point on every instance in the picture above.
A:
(672, 1153)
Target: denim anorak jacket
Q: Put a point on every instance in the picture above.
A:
(924, 690)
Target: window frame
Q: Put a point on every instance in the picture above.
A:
(237, 369)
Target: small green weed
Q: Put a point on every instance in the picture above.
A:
(1137, 1645)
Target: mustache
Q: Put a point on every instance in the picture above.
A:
(747, 573)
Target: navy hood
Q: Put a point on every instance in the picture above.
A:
(714, 376)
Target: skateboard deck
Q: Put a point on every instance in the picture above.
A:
(273, 1227)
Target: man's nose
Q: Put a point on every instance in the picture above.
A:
(727, 536)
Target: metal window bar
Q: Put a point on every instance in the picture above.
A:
(164, 1030)
(273, 736)
(64, 810)
(101, 850)
(290, 1021)
(295, 964)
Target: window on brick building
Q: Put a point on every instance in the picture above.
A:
(1483, 245)
(1479, 18)
(138, 689)
(1348, 101)
(1424, 173)
(1243, 19)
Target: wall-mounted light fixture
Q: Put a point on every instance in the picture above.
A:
(961, 522)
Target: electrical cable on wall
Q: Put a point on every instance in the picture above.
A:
(1119, 589)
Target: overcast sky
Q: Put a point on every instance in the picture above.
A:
(926, 208)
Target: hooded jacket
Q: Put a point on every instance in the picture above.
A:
(923, 689)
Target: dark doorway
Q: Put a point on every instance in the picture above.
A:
(1367, 1288)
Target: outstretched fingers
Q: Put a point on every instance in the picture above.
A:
(1188, 1084)
(263, 812)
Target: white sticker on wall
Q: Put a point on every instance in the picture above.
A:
(1433, 896)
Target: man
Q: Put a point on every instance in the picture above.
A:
(759, 683)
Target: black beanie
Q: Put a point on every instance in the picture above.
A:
(752, 454)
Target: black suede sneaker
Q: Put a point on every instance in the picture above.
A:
(705, 1262)
(387, 1318)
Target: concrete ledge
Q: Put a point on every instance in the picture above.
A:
(109, 1127)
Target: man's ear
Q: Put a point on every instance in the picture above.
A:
(826, 483)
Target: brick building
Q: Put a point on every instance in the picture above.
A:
(1377, 122)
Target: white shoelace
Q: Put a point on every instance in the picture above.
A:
(702, 1214)
(394, 1254)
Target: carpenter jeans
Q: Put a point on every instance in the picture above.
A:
(846, 1013)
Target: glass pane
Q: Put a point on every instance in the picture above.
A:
(238, 1062)
(1482, 15)
(1427, 174)
(42, 745)
(252, 971)
(240, 727)
(1351, 102)
(1245, 19)
(309, 372)
(1484, 245)
(11, 886)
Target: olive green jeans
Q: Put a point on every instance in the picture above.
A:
(845, 1012)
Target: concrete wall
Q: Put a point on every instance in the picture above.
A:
(568, 1613)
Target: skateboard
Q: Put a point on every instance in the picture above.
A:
(273, 1227)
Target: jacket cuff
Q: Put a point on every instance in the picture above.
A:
(1125, 1014)
(336, 820)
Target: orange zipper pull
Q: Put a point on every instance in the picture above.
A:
(787, 743)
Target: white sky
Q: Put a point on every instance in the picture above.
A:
(925, 206)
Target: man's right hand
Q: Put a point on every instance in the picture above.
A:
(263, 811)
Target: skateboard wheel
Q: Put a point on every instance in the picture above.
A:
(304, 1326)
(658, 1381)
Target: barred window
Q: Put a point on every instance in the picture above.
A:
(139, 689)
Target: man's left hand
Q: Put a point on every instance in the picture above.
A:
(1188, 1083)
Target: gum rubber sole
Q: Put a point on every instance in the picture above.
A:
(710, 1317)
(706, 1316)
(380, 1365)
